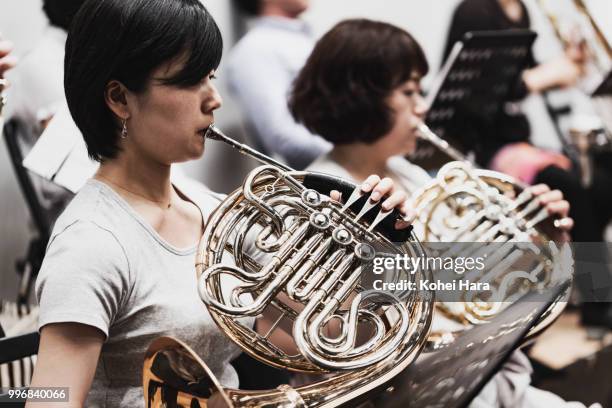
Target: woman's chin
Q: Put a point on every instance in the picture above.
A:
(197, 155)
(192, 155)
(198, 151)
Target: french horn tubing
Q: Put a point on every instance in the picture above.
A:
(278, 248)
(467, 208)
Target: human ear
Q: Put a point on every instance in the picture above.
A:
(115, 96)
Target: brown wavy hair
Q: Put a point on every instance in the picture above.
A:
(340, 93)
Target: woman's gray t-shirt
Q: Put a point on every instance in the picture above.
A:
(106, 267)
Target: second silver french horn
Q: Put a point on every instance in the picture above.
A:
(477, 212)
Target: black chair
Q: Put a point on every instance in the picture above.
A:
(18, 347)
(28, 266)
(17, 352)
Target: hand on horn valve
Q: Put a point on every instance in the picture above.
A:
(557, 226)
(394, 198)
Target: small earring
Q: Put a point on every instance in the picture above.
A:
(124, 131)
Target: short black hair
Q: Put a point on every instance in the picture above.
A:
(126, 41)
(61, 12)
(340, 93)
(249, 7)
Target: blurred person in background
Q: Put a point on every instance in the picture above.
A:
(260, 70)
(502, 142)
(7, 60)
(511, 125)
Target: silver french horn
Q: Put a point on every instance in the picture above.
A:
(480, 212)
(279, 249)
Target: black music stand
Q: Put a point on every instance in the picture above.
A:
(454, 375)
(479, 76)
(605, 87)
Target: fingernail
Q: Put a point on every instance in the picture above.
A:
(410, 218)
(561, 223)
(385, 206)
(366, 187)
(375, 196)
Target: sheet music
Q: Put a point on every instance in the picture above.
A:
(77, 169)
(60, 154)
(471, 84)
(441, 76)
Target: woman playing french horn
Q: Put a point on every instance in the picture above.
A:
(119, 266)
(360, 90)
(372, 119)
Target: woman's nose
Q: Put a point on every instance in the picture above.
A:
(420, 107)
(213, 101)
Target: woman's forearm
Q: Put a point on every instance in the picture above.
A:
(67, 357)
